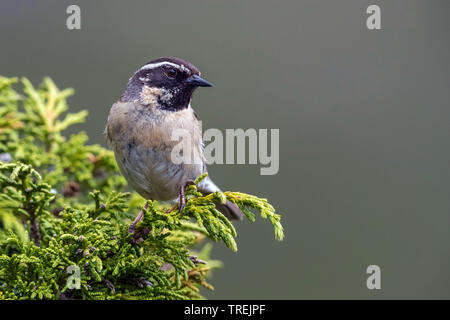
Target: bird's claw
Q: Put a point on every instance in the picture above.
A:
(137, 219)
(182, 198)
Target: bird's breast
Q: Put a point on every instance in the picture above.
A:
(143, 139)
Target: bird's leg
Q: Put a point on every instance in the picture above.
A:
(171, 209)
(182, 199)
(137, 219)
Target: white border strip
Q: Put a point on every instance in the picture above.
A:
(158, 64)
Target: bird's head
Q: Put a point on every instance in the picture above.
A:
(166, 83)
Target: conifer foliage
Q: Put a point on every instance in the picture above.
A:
(64, 214)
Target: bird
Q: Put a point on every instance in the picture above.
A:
(140, 126)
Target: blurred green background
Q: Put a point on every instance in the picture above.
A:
(363, 116)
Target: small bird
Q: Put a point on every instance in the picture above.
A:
(139, 129)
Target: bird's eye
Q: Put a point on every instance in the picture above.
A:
(171, 73)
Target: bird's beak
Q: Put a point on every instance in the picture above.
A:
(198, 81)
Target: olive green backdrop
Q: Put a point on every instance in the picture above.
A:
(363, 116)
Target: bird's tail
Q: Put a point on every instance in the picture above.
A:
(228, 209)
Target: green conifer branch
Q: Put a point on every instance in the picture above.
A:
(63, 205)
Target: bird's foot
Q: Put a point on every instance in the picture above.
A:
(137, 219)
(182, 198)
(171, 209)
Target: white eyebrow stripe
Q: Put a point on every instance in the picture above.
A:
(158, 64)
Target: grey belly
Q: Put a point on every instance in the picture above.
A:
(151, 175)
